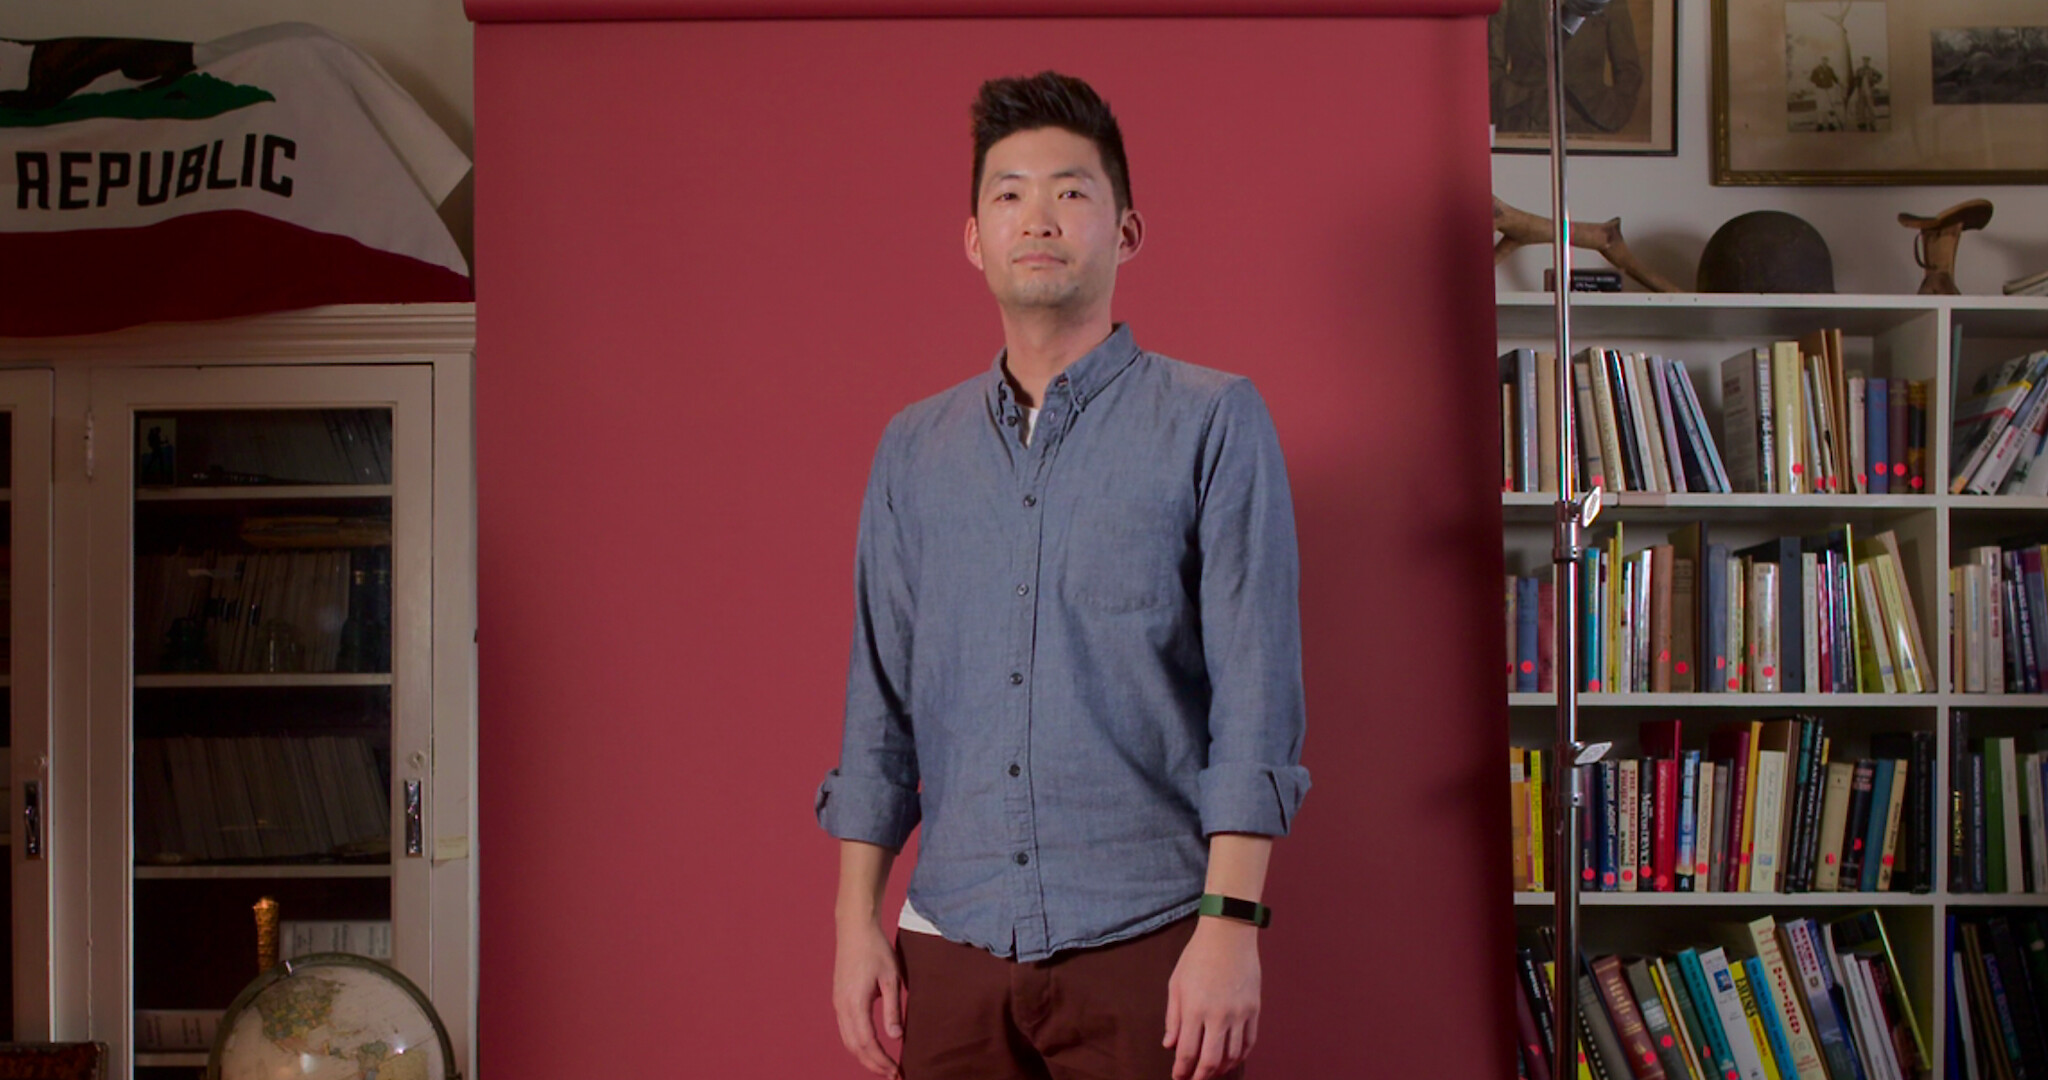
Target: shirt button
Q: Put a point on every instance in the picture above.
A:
(1016, 678)
(1011, 419)
(1014, 770)
(1023, 859)
(1046, 415)
(1023, 589)
(1030, 500)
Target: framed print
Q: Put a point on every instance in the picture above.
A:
(1880, 92)
(1620, 79)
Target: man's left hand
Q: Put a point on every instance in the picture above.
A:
(1212, 1001)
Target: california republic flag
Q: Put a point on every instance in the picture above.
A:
(153, 180)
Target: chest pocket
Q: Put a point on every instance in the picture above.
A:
(1124, 554)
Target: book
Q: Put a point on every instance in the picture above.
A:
(1745, 420)
(1743, 1046)
(1790, 1012)
(1862, 934)
(1632, 1034)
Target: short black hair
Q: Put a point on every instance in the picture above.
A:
(1005, 107)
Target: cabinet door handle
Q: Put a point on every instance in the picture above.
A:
(32, 819)
(414, 842)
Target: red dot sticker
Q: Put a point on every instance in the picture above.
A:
(1745, 855)
(1797, 468)
(1898, 467)
(1681, 667)
(1530, 665)
(1626, 875)
(1860, 478)
(1769, 671)
(1915, 481)
(1652, 1055)
(1828, 858)
(1856, 844)
(1878, 465)
(1887, 860)
(1701, 868)
(1605, 878)
(1735, 684)
(1664, 654)
(1593, 686)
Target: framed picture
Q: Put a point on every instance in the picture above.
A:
(1880, 92)
(1620, 79)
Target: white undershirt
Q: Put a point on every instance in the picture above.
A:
(911, 919)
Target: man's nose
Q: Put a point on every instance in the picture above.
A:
(1039, 219)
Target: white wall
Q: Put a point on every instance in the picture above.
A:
(424, 44)
(1668, 208)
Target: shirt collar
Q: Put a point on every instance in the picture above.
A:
(1085, 377)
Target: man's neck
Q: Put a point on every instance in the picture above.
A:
(1038, 348)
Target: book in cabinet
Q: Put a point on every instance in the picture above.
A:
(263, 586)
(1948, 344)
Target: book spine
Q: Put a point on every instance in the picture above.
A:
(1877, 429)
(1631, 1033)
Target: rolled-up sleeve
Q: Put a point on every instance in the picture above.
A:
(873, 795)
(1251, 624)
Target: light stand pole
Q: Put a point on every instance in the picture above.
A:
(1574, 515)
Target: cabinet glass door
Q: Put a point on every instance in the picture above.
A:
(24, 707)
(276, 523)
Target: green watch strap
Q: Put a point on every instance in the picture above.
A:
(1230, 907)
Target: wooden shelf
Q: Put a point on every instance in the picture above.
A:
(171, 1059)
(294, 870)
(247, 492)
(207, 681)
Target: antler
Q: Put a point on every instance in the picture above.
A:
(1520, 228)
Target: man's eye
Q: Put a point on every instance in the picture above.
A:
(1071, 191)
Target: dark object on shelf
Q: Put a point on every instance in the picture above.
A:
(1766, 251)
(53, 1061)
(1934, 249)
(1519, 228)
(1585, 280)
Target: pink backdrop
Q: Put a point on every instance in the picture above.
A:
(714, 257)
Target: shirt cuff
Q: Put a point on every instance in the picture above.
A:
(1247, 797)
(868, 809)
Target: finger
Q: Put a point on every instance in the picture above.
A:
(1233, 1048)
(1211, 1060)
(1251, 1034)
(1172, 1014)
(857, 1031)
(1187, 1041)
(892, 1008)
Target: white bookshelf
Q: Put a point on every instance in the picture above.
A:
(1907, 337)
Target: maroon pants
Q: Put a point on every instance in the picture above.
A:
(1089, 1014)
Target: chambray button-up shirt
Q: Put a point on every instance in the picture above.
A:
(1073, 660)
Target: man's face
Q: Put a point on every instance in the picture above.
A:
(1046, 231)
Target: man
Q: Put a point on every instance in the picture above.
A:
(1076, 660)
(1603, 70)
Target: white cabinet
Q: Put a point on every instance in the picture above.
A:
(257, 545)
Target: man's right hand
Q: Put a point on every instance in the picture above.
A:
(864, 968)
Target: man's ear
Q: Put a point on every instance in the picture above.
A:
(1130, 236)
(974, 242)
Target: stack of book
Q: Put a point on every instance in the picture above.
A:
(1997, 995)
(1805, 999)
(259, 799)
(1818, 614)
(1996, 440)
(1640, 425)
(1998, 830)
(1796, 421)
(1770, 806)
(1998, 619)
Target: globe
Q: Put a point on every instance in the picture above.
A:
(331, 1016)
